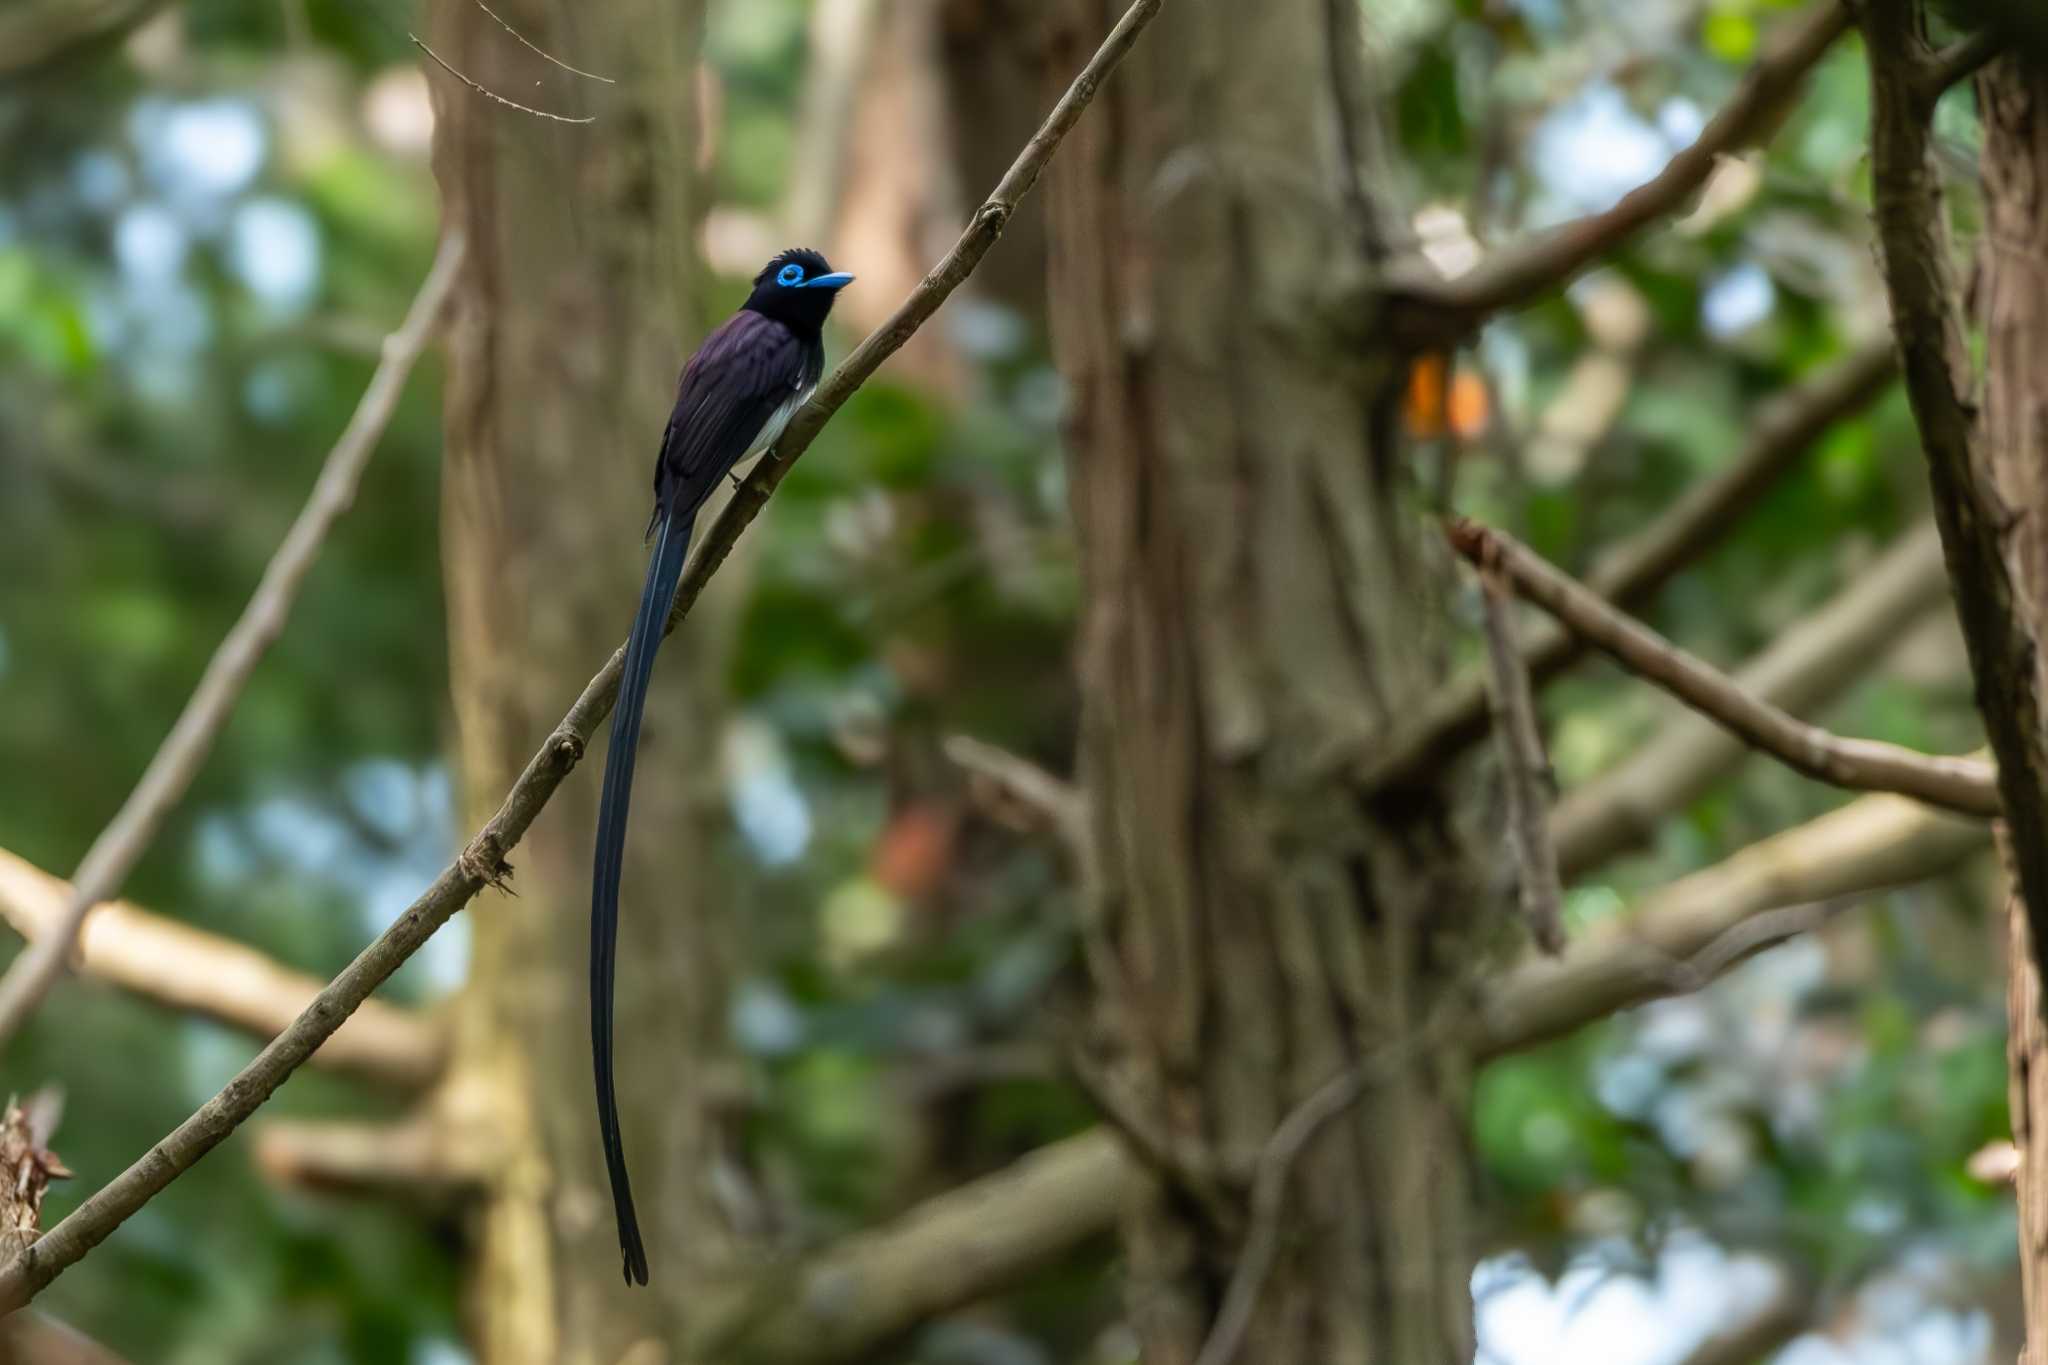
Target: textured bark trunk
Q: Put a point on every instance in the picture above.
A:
(1255, 591)
(992, 60)
(2014, 103)
(575, 307)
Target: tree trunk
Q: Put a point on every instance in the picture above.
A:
(576, 305)
(1257, 590)
(2015, 434)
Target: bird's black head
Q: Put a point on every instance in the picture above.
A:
(797, 288)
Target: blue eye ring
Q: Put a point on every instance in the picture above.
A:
(790, 275)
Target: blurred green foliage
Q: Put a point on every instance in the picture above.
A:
(161, 416)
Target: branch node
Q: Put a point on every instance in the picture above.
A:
(483, 863)
(568, 748)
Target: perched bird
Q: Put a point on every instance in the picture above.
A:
(735, 396)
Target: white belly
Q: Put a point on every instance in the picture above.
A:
(771, 430)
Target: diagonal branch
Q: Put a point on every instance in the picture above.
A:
(1912, 231)
(1961, 60)
(1054, 800)
(47, 31)
(174, 964)
(956, 1247)
(482, 862)
(1965, 785)
(1689, 935)
(1437, 311)
(1868, 845)
(982, 231)
(977, 1239)
(1630, 572)
(1805, 664)
(1757, 1334)
(124, 840)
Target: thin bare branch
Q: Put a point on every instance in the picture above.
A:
(482, 862)
(1807, 663)
(1054, 799)
(491, 94)
(1525, 768)
(409, 1158)
(539, 52)
(112, 855)
(955, 1248)
(1436, 310)
(981, 233)
(1912, 230)
(1965, 785)
(174, 964)
(1691, 933)
(974, 1240)
(37, 34)
(1961, 60)
(1276, 1166)
(1758, 1333)
(1632, 571)
(1868, 845)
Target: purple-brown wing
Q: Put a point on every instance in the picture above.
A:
(747, 369)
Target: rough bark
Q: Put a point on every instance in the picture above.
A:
(2014, 109)
(573, 313)
(1976, 522)
(1252, 587)
(993, 62)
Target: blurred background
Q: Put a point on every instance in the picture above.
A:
(211, 211)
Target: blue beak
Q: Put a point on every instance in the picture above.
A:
(838, 279)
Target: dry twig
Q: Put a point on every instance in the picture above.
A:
(491, 94)
(1436, 310)
(537, 51)
(482, 861)
(1054, 800)
(1525, 768)
(969, 1242)
(1960, 784)
(1630, 572)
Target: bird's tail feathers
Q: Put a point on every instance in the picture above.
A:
(664, 570)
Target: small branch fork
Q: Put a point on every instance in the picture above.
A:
(1966, 785)
(1338, 1094)
(971, 1241)
(482, 862)
(1633, 570)
(122, 843)
(1437, 311)
(1430, 312)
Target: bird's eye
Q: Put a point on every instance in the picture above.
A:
(791, 274)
